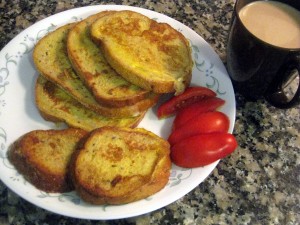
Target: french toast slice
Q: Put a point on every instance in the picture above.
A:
(57, 105)
(51, 60)
(120, 165)
(43, 157)
(148, 54)
(107, 86)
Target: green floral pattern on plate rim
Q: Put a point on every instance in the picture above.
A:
(202, 67)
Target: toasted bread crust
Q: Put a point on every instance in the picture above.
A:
(51, 60)
(57, 105)
(107, 86)
(149, 54)
(120, 165)
(43, 156)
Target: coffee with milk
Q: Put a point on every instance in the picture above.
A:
(263, 50)
(273, 22)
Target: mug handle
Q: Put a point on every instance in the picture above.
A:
(276, 95)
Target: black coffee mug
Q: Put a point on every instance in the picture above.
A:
(258, 69)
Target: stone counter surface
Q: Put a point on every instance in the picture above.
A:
(258, 184)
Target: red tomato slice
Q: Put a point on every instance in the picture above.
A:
(203, 149)
(189, 96)
(208, 104)
(208, 122)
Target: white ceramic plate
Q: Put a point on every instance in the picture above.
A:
(19, 115)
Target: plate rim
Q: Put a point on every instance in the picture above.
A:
(97, 8)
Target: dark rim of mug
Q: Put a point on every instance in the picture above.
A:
(257, 38)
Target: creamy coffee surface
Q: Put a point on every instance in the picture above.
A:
(273, 22)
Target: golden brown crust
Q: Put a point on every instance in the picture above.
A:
(51, 60)
(149, 54)
(107, 86)
(43, 156)
(56, 105)
(120, 165)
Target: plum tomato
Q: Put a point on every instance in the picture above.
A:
(189, 112)
(189, 96)
(208, 122)
(202, 149)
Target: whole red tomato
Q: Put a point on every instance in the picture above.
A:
(202, 149)
(205, 105)
(208, 122)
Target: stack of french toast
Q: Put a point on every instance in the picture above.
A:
(100, 76)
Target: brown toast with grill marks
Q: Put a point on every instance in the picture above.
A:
(57, 105)
(43, 157)
(120, 165)
(147, 53)
(108, 87)
(51, 60)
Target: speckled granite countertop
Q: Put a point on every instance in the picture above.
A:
(258, 184)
